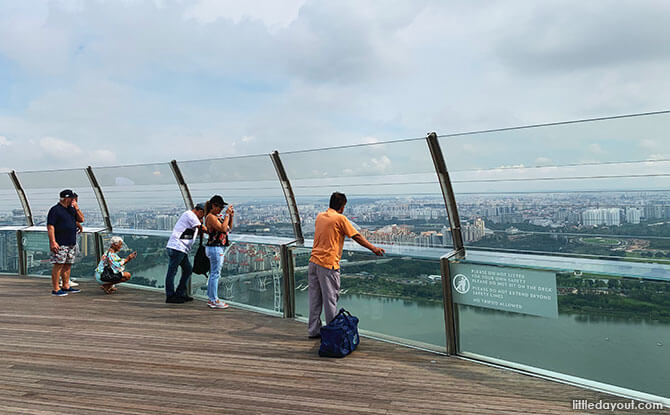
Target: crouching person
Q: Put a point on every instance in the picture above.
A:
(111, 269)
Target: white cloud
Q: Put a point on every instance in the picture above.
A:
(4, 141)
(167, 79)
(60, 149)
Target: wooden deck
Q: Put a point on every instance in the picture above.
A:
(130, 353)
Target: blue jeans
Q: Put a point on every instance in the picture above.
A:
(177, 259)
(215, 255)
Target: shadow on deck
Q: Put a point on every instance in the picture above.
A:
(130, 353)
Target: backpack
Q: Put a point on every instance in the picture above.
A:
(201, 262)
(340, 336)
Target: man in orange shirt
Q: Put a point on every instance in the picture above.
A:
(323, 275)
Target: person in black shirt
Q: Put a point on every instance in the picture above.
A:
(62, 230)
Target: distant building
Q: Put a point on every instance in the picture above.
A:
(607, 217)
(633, 215)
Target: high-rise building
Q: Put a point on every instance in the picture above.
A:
(607, 217)
(633, 215)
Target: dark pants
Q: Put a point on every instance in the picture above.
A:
(177, 259)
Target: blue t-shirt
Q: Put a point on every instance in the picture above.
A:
(65, 224)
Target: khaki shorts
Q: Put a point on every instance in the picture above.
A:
(65, 255)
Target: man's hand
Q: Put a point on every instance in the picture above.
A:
(54, 247)
(378, 251)
(133, 255)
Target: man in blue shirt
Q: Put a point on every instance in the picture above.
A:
(62, 230)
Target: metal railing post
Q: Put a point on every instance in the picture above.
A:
(450, 317)
(22, 197)
(22, 258)
(98, 246)
(290, 197)
(183, 187)
(288, 268)
(101, 198)
(447, 191)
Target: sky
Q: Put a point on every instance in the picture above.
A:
(95, 82)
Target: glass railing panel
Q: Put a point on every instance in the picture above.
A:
(42, 190)
(141, 196)
(36, 247)
(250, 184)
(589, 178)
(9, 252)
(11, 211)
(611, 329)
(251, 276)
(395, 297)
(150, 266)
(392, 190)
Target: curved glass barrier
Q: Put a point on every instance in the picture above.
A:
(251, 276)
(35, 245)
(9, 252)
(597, 321)
(396, 297)
(392, 190)
(593, 187)
(143, 196)
(150, 266)
(42, 189)
(250, 184)
(11, 211)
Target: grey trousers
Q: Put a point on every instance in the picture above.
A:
(324, 290)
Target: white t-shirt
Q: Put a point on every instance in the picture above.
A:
(180, 240)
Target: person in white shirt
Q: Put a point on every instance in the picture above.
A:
(184, 233)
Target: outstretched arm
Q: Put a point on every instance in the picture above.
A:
(364, 243)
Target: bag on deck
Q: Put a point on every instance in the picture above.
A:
(340, 336)
(200, 262)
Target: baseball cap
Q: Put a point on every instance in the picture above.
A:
(67, 193)
(217, 200)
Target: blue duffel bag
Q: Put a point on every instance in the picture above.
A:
(340, 336)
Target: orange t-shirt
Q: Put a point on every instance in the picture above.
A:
(330, 229)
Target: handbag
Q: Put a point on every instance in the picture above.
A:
(108, 274)
(340, 336)
(201, 262)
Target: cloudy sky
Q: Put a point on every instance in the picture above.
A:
(96, 82)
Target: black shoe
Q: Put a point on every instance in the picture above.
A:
(186, 298)
(175, 300)
(316, 336)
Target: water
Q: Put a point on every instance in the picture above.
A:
(630, 354)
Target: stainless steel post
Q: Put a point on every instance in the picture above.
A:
(290, 197)
(183, 187)
(22, 197)
(287, 266)
(101, 198)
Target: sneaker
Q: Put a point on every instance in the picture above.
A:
(59, 293)
(217, 304)
(74, 284)
(173, 299)
(71, 290)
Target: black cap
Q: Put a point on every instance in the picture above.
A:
(217, 200)
(67, 193)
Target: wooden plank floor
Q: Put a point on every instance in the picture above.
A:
(130, 353)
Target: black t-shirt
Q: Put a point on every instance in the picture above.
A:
(65, 224)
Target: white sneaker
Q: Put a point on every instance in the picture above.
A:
(74, 284)
(217, 304)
